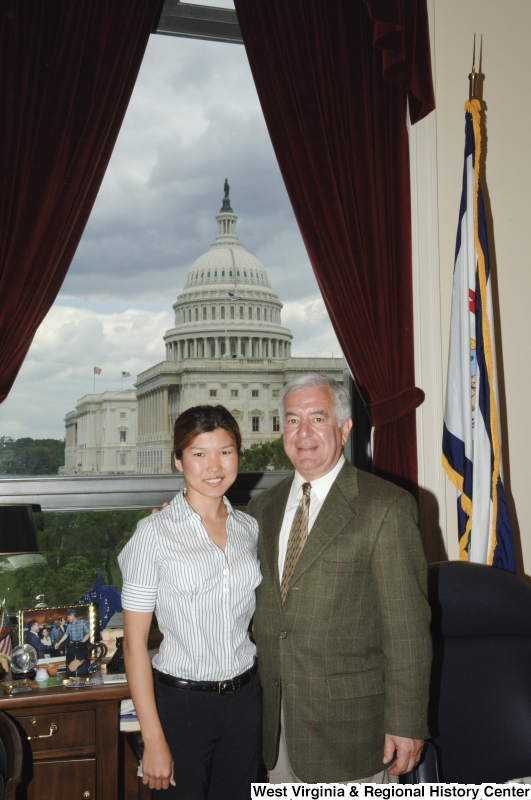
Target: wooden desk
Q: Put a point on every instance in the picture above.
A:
(83, 758)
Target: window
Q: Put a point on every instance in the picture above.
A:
(204, 312)
(123, 435)
(123, 459)
(241, 312)
(122, 414)
(234, 392)
(222, 312)
(213, 312)
(213, 393)
(197, 315)
(233, 348)
(243, 348)
(276, 424)
(276, 393)
(189, 315)
(256, 424)
(212, 349)
(258, 313)
(255, 393)
(222, 348)
(250, 312)
(232, 312)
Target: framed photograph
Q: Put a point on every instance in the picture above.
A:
(50, 629)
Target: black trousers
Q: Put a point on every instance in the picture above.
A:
(215, 741)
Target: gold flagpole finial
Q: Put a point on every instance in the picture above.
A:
(473, 77)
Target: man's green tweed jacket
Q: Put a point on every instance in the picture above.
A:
(350, 652)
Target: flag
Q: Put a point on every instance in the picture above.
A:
(233, 296)
(471, 438)
(6, 647)
(97, 370)
(126, 374)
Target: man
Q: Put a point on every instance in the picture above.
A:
(32, 636)
(58, 633)
(77, 629)
(342, 620)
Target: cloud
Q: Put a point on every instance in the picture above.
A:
(313, 334)
(194, 119)
(59, 366)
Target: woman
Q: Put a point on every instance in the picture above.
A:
(195, 564)
(46, 639)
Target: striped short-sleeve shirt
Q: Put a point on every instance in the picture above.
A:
(204, 598)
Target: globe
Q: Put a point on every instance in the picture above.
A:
(24, 658)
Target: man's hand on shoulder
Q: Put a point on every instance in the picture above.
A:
(154, 510)
(407, 753)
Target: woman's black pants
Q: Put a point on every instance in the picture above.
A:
(215, 741)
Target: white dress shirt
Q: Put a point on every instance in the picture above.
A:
(204, 597)
(320, 489)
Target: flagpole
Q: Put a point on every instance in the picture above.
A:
(473, 76)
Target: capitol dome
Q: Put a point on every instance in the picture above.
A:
(227, 307)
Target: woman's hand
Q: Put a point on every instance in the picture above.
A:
(157, 766)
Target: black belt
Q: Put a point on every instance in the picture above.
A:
(222, 687)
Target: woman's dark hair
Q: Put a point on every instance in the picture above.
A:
(203, 419)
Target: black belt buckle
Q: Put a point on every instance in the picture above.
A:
(225, 687)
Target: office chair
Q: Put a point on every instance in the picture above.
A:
(480, 695)
(10, 757)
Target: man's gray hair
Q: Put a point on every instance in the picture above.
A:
(312, 379)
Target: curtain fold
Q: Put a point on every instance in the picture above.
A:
(338, 127)
(67, 73)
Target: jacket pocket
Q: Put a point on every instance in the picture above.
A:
(358, 684)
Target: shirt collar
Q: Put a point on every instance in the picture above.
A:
(321, 486)
(181, 509)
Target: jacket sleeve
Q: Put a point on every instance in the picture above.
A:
(400, 573)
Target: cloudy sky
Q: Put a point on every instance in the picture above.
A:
(193, 120)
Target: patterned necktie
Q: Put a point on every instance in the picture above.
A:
(297, 538)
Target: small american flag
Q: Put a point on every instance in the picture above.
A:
(233, 296)
(97, 370)
(6, 647)
(126, 374)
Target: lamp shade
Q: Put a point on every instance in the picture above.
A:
(18, 532)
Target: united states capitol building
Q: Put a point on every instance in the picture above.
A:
(228, 346)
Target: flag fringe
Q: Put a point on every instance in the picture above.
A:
(473, 107)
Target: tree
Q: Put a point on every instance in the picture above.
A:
(27, 456)
(75, 545)
(265, 455)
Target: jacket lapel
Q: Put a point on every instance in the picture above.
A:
(335, 513)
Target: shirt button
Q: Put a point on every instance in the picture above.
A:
(225, 572)
(283, 634)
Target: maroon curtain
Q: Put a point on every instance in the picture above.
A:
(333, 78)
(67, 69)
